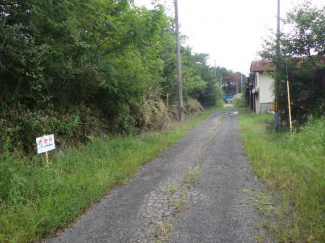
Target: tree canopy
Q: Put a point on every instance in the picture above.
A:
(302, 61)
(76, 68)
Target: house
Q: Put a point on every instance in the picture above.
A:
(261, 86)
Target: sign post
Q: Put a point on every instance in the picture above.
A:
(45, 144)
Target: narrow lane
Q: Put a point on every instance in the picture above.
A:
(193, 192)
(225, 216)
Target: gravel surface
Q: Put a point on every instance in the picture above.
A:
(193, 192)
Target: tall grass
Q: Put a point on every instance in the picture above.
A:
(293, 166)
(36, 200)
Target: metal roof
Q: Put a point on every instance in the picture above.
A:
(262, 65)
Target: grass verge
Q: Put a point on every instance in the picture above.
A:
(35, 200)
(293, 168)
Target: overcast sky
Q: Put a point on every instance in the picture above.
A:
(230, 31)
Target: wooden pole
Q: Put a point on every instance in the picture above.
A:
(289, 105)
(179, 65)
(241, 82)
(167, 101)
(46, 156)
(47, 159)
(277, 70)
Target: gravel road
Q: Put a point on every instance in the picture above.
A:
(193, 192)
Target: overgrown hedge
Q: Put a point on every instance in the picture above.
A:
(82, 67)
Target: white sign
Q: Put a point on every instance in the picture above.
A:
(45, 143)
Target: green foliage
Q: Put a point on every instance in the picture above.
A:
(301, 62)
(202, 83)
(67, 64)
(241, 100)
(230, 81)
(292, 165)
(36, 200)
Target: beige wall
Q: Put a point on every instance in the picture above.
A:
(266, 106)
(265, 84)
(264, 98)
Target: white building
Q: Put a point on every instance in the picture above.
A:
(261, 88)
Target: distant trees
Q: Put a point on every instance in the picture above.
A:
(83, 66)
(230, 81)
(303, 60)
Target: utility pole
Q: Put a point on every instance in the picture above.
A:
(179, 65)
(215, 68)
(241, 82)
(221, 80)
(277, 69)
(237, 85)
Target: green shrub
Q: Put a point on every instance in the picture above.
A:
(239, 101)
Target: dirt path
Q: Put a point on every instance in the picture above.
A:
(193, 192)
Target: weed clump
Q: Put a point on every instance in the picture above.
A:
(292, 165)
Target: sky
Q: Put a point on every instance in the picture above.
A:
(230, 31)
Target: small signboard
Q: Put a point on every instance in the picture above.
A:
(45, 143)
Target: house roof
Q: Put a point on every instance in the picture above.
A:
(262, 65)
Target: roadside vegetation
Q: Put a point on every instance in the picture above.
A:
(301, 61)
(292, 167)
(292, 164)
(36, 200)
(83, 68)
(100, 76)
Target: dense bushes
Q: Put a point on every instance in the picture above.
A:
(75, 68)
